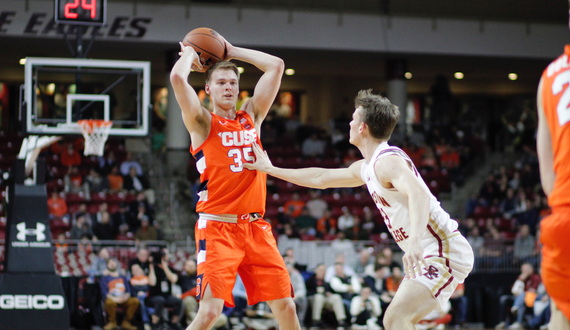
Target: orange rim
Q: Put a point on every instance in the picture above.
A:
(87, 125)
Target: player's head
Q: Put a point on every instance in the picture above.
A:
(222, 84)
(377, 113)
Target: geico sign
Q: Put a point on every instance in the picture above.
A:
(36, 301)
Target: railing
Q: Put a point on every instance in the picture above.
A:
(74, 257)
(165, 186)
(498, 257)
(188, 245)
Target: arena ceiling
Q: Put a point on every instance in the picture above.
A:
(532, 11)
(481, 71)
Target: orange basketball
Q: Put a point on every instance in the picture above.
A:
(209, 45)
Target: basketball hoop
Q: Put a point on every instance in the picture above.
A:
(95, 132)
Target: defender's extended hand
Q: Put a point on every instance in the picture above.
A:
(262, 162)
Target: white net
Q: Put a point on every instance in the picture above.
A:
(95, 133)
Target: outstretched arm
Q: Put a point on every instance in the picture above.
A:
(313, 177)
(544, 147)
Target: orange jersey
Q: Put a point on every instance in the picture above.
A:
(227, 187)
(555, 94)
(57, 207)
(555, 229)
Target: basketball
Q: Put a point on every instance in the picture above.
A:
(209, 45)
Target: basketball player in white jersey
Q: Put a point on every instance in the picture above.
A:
(436, 256)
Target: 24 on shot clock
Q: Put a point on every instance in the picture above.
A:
(81, 12)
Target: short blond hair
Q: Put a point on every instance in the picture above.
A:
(223, 65)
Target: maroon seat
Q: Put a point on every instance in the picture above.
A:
(98, 197)
(74, 198)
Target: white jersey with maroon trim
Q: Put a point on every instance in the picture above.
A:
(448, 256)
(393, 205)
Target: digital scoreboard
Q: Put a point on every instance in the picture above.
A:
(81, 12)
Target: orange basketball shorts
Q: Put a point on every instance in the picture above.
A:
(555, 267)
(248, 248)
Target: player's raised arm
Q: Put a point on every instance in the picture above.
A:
(268, 85)
(195, 117)
(313, 177)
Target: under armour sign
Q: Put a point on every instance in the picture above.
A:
(31, 237)
(39, 232)
(28, 237)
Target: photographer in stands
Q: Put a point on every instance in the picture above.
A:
(160, 279)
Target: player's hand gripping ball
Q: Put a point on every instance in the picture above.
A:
(208, 44)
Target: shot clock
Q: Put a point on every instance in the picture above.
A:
(81, 12)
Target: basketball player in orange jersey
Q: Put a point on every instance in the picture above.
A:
(231, 235)
(436, 256)
(553, 146)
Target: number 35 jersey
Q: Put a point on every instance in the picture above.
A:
(393, 205)
(226, 186)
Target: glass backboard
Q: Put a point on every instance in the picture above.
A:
(60, 91)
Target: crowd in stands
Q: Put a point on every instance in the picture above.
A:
(345, 292)
(109, 198)
(89, 198)
(527, 304)
(155, 289)
(99, 198)
(142, 285)
(507, 208)
(502, 224)
(441, 155)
